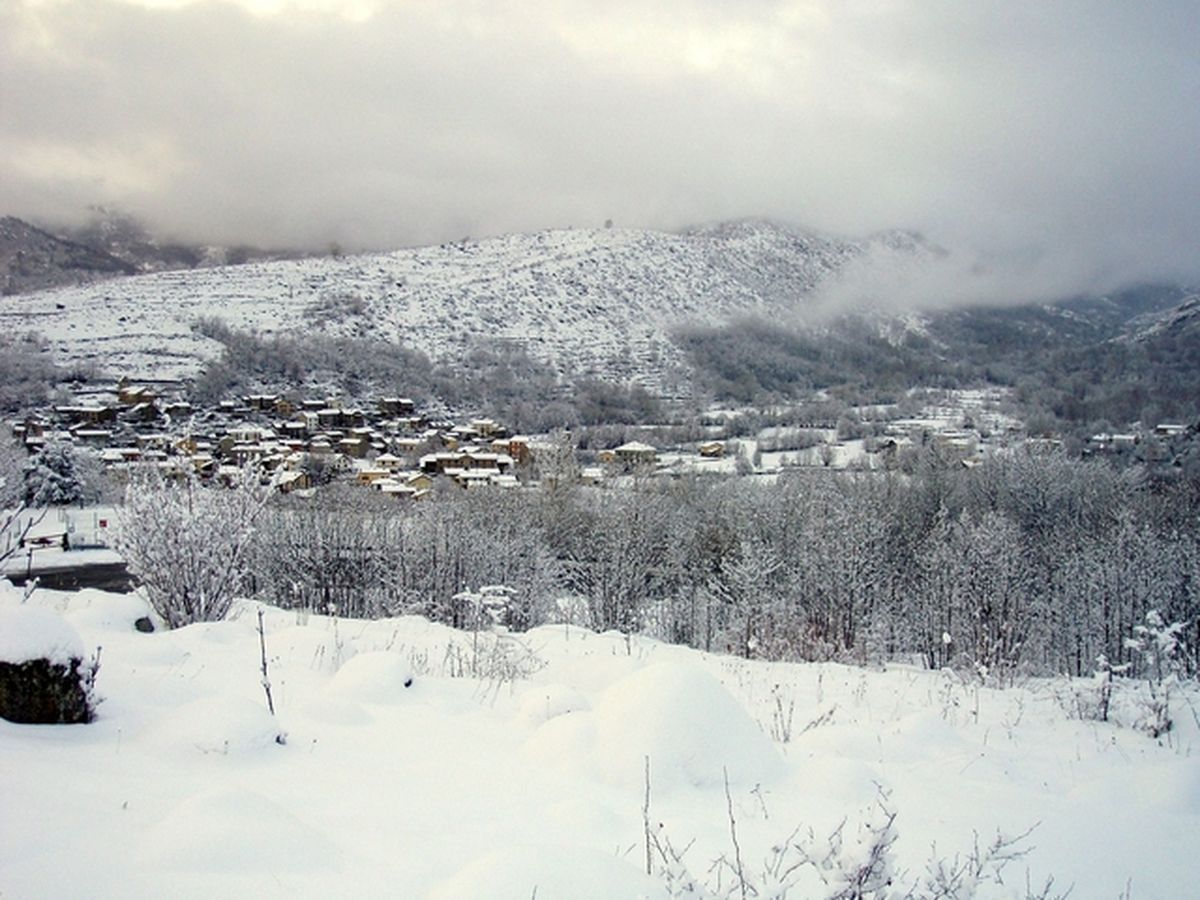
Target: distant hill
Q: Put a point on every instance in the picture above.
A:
(36, 257)
(126, 238)
(603, 302)
(734, 311)
(32, 259)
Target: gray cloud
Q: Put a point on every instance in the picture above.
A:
(1053, 145)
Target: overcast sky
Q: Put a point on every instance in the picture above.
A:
(1060, 137)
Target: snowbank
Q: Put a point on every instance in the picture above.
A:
(678, 715)
(459, 787)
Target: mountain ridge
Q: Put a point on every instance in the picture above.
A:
(602, 302)
(735, 310)
(32, 258)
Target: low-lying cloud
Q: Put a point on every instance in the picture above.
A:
(1051, 144)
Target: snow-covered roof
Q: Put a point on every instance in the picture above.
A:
(636, 447)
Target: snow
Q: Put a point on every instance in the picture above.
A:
(676, 714)
(578, 872)
(28, 633)
(460, 787)
(377, 677)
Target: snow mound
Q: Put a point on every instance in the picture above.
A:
(564, 873)
(925, 735)
(224, 724)
(1174, 787)
(335, 710)
(375, 677)
(543, 702)
(110, 612)
(313, 648)
(237, 830)
(678, 715)
(27, 632)
(689, 725)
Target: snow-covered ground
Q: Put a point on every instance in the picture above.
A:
(529, 780)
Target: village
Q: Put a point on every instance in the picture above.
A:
(398, 450)
(388, 446)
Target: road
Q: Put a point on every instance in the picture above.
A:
(106, 576)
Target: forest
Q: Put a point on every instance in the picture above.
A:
(1024, 565)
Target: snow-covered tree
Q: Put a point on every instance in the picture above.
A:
(56, 475)
(748, 586)
(188, 543)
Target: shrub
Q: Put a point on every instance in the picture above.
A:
(188, 544)
(41, 692)
(43, 677)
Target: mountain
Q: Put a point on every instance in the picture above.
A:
(32, 259)
(108, 245)
(735, 311)
(125, 237)
(1180, 324)
(605, 302)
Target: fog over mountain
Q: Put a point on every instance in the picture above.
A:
(1050, 147)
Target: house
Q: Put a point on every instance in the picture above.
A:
(352, 418)
(131, 395)
(418, 481)
(241, 454)
(143, 412)
(1169, 429)
(180, 409)
(353, 447)
(1108, 443)
(261, 402)
(31, 427)
(232, 410)
(592, 475)
(87, 414)
(120, 455)
(93, 437)
(635, 453)
(487, 428)
(519, 450)
(295, 429)
(1043, 445)
(396, 406)
(410, 423)
(407, 446)
(153, 441)
(957, 445)
(476, 478)
(293, 481)
(370, 476)
(391, 488)
(438, 463)
(389, 462)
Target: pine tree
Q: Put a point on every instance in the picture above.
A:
(54, 476)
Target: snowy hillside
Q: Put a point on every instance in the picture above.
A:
(599, 301)
(529, 780)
